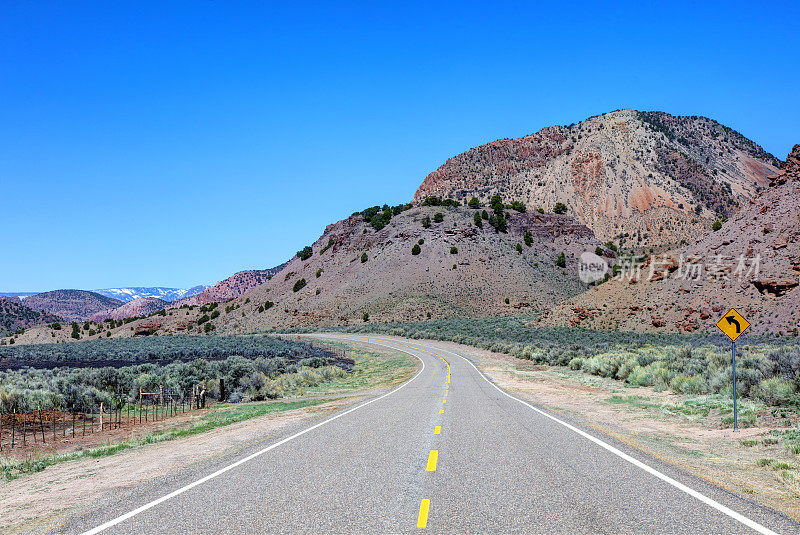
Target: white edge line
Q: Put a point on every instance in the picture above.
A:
(221, 471)
(639, 464)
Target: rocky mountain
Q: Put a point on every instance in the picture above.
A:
(234, 286)
(139, 292)
(15, 316)
(752, 263)
(138, 307)
(72, 305)
(638, 178)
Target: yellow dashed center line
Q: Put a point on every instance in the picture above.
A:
(433, 458)
(437, 429)
(422, 519)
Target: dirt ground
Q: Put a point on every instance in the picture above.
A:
(38, 502)
(698, 445)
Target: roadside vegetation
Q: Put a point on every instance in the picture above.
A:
(300, 386)
(767, 368)
(233, 369)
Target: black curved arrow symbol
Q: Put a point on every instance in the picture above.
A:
(731, 321)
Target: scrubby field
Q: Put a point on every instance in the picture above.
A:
(250, 368)
(767, 368)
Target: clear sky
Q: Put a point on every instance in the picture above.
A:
(174, 144)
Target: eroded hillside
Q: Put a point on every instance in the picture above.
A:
(751, 263)
(639, 178)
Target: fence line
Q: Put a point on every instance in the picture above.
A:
(39, 427)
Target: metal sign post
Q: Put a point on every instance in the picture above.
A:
(735, 408)
(733, 325)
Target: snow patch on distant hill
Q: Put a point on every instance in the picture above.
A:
(138, 292)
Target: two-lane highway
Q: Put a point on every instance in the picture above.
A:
(446, 452)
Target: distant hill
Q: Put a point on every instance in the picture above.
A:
(72, 305)
(766, 234)
(234, 286)
(127, 294)
(15, 316)
(638, 178)
(137, 307)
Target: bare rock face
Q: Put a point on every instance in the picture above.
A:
(639, 178)
(752, 264)
(790, 169)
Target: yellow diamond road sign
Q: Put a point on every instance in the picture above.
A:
(733, 324)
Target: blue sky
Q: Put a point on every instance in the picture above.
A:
(173, 144)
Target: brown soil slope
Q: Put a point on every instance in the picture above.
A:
(768, 231)
(394, 284)
(639, 178)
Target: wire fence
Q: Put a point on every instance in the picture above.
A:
(42, 427)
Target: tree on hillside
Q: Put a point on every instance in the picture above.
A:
(305, 253)
(528, 237)
(519, 206)
(561, 261)
(560, 208)
(363, 257)
(478, 220)
(474, 203)
(416, 249)
(426, 222)
(438, 217)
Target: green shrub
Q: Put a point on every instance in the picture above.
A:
(561, 261)
(426, 222)
(328, 246)
(305, 253)
(318, 273)
(519, 248)
(476, 218)
(528, 237)
(774, 391)
(299, 285)
(364, 257)
(365, 317)
(560, 208)
(716, 226)
(453, 250)
(438, 217)
(416, 249)
(474, 203)
(518, 206)
(687, 384)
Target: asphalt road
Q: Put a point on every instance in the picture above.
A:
(435, 456)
